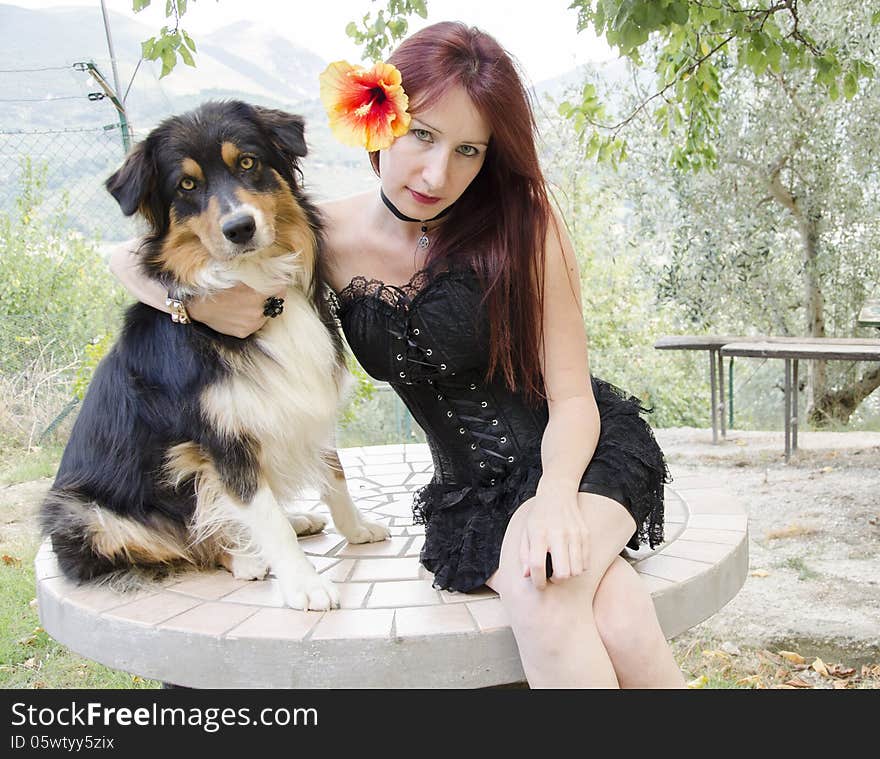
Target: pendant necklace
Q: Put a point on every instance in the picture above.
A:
(423, 240)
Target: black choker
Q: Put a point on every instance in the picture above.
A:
(423, 240)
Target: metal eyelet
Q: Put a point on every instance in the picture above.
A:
(492, 481)
(461, 430)
(439, 397)
(482, 465)
(484, 404)
(494, 422)
(400, 357)
(473, 446)
(442, 367)
(510, 459)
(503, 439)
(473, 386)
(416, 331)
(429, 352)
(402, 375)
(449, 414)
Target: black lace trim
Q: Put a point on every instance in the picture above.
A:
(465, 525)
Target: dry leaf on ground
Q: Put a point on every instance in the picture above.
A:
(793, 657)
(796, 682)
(792, 531)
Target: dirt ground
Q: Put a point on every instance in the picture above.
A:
(814, 525)
(814, 535)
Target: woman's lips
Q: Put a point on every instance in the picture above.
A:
(419, 198)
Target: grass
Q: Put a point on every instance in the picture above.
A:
(798, 565)
(32, 659)
(18, 465)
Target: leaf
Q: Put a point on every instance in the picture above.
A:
(793, 657)
(850, 85)
(11, 561)
(187, 56)
(188, 40)
(752, 680)
(699, 682)
(148, 48)
(760, 573)
(169, 60)
(838, 670)
(819, 666)
(797, 683)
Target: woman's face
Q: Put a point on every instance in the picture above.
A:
(427, 169)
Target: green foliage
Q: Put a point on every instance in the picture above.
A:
(170, 42)
(695, 42)
(57, 298)
(379, 35)
(54, 286)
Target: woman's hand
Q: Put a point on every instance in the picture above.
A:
(554, 525)
(237, 311)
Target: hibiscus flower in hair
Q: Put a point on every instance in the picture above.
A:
(367, 107)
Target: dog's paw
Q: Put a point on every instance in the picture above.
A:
(309, 590)
(307, 524)
(247, 567)
(366, 531)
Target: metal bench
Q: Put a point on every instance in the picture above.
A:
(394, 630)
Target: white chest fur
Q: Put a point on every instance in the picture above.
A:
(283, 393)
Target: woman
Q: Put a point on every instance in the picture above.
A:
(542, 474)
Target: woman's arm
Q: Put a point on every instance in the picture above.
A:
(237, 311)
(572, 431)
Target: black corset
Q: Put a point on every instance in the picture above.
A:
(430, 341)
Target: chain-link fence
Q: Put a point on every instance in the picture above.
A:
(56, 122)
(74, 164)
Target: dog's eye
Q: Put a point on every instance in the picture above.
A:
(246, 162)
(187, 184)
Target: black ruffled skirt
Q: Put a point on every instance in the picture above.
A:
(465, 526)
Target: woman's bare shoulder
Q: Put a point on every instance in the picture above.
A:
(344, 233)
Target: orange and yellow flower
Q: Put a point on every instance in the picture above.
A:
(367, 107)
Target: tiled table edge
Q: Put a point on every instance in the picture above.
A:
(690, 591)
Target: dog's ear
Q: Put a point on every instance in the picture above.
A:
(131, 183)
(287, 131)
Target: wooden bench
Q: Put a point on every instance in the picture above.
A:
(393, 630)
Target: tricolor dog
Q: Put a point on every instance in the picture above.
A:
(190, 443)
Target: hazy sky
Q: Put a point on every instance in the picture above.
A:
(545, 41)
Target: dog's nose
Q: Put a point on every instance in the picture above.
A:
(240, 229)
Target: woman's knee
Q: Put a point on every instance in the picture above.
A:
(623, 609)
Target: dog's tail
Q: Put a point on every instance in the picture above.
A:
(90, 541)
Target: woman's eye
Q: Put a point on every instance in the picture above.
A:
(468, 150)
(422, 134)
(246, 162)
(187, 184)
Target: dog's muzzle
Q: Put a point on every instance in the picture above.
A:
(240, 229)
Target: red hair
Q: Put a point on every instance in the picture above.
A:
(499, 224)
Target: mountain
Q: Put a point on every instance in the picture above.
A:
(247, 60)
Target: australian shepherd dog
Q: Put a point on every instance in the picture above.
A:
(190, 443)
